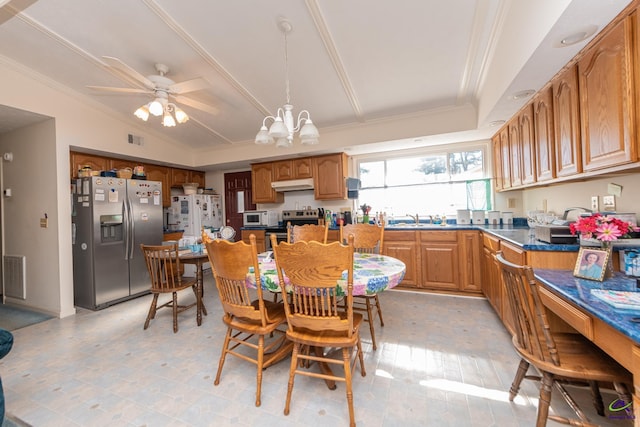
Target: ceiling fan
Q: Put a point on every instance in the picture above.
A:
(163, 89)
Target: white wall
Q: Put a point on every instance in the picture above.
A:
(558, 197)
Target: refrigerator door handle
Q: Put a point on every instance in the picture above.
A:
(125, 208)
(131, 228)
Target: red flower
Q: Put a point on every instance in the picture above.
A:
(606, 228)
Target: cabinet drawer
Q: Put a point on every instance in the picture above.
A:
(438, 236)
(567, 312)
(513, 253)
(490, 242)
(399, 236)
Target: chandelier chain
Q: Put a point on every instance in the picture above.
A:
(286, 66)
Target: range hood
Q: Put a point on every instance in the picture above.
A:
(293, 185)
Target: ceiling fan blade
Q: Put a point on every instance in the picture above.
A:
(128, 71)
(189, 86)
(119, 89)
(197, 104)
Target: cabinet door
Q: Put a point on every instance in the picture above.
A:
(80, 160)
(566, 123)
(497, 162)
(162, 174)
(606, 103)
(282, 170)
(118, 164)
(179, 177)
(490, 281)
(330, 173)
(517, 256)
(505, 157)
(527, 145)
(544, 145)
(402, 245)
(515, 152)
(197, 177)
(439, 263)
(470, 261)
(302, 168)
(261, 178)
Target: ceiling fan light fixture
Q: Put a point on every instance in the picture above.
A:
(181, 116)
(167, 120)
(283, 127)
(142, 113)
(156, 108)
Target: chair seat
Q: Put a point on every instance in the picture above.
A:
(328, 338)
(275, 313)
(580, 359)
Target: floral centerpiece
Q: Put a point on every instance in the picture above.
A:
(603, 228)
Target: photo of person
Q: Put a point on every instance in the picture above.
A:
(590, 264)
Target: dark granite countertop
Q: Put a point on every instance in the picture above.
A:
(578, 291)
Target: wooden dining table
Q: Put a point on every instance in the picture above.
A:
(198, 259)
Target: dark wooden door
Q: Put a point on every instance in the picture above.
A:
(237, 198)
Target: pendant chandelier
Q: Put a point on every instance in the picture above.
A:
(282, 129)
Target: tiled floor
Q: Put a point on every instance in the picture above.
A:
(441, 361)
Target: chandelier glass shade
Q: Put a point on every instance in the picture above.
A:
(162, 107)
(283, 128)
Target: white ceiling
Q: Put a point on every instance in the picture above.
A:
(351, 63)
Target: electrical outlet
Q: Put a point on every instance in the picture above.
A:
(44, 222)
(595, 203)
(511, 202)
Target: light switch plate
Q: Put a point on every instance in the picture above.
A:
(595, 205)
(609, 203)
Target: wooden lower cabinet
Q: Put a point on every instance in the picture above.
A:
(470, 261)
(260, 238)
(402, 245)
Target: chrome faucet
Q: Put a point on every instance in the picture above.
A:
(415, 218)
(566, 211)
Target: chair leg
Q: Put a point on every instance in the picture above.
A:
(597, 397)
(346, 358)
(363, 372)
(175, 312)
(624, 395)
(523, 367)
(259, 367)
(545, 399)
(370, 321)
(223, 355)
(379, 310)
(152, 310)
(292, 374)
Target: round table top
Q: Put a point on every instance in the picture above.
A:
(371, 274)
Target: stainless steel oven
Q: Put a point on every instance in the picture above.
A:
(281, 236)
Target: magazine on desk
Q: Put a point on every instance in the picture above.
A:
(619, 299)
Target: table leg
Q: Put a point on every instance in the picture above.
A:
(199, 299)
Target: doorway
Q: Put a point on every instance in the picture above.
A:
(237, 198)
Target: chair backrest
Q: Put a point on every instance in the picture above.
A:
(230, 264)
(307, 233)
(368, 238)
(313, 270)
(532, 331)
(163, 265)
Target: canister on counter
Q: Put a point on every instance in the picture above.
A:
(477, 217)
(463, 216)
(507, 218)
(494, 217)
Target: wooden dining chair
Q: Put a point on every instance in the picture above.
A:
(249, 320)
(368, 238)
(165, 272)
(315, 318)
(559, 357)
(307, 232)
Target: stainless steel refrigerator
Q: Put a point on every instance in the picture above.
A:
(111, 217)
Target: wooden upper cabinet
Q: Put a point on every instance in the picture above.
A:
(162, 174)
(80, 160)
(527, 145)
(118, 164)
(544, 145)
(505, 157)
(197, 177)
(566, 123)
(329, 176)
(179, 177)
(515, 152)
(292, 169)
(607, 104)
(261, 178)
(497, 162)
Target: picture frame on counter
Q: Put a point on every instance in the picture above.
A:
(591, 263)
